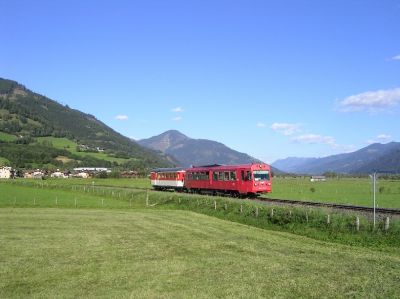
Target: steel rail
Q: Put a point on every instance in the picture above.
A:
(330, 205)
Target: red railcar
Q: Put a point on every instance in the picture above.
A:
(168, 178)
(237, 180)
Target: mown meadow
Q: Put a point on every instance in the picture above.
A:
(103, 238)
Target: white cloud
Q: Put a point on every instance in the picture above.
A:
(382, 138)
(177, 109)
(327, 140)
(121, 117)
(397, 57)
(286, 128)
(372, 101)
(261, 125)
(178, 118)
(316, 139)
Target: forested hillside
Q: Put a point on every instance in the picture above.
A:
(27, 117)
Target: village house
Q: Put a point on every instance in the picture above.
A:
(83, 175)
(318, 178)
(58, 174)
(5, 172)
(34, 174)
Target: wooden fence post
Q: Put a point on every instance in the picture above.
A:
(358, 223)
(256, 211)
(387, 223)
(328, 219)
(147, 197)
(241, 208)
(307, 217)
(215, 205)
(225, 206)
(272, 213)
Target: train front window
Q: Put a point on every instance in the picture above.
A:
(261, 175)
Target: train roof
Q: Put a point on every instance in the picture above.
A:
(176, 169)
(224, 167)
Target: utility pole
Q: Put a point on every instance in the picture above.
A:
(373, 177)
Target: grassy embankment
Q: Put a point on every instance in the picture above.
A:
(347, 190)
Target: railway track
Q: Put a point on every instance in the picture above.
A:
(331, 205)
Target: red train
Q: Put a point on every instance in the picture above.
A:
(235, 180)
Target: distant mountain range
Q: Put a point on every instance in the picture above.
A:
(190, 151)
(382, 157)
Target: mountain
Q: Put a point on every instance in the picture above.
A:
(190, 151)
(292, 164)
(383, 157)
(37, 125)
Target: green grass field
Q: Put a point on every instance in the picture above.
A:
(7, 137)
(60, 240)
(356, 191)
(51, 253)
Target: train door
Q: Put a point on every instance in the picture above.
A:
(245, 181)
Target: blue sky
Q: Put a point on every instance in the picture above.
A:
(303, 78)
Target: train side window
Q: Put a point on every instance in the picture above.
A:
(215, 176)
(226, 176)
(220, 176)
(248, 175)
(242, 173)
(233, 176)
